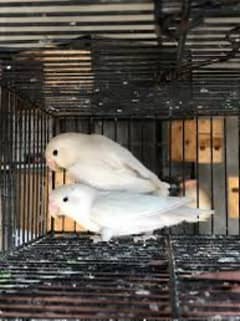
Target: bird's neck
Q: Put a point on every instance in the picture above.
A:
(82, 214)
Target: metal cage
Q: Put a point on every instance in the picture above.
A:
(162, 79)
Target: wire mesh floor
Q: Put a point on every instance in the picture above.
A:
(165, 278)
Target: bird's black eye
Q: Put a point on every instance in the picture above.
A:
(65, 199)
(55, 152)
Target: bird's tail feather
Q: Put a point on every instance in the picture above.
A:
(190, 215)
(140, 185)
(171, 218)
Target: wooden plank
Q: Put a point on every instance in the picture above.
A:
(233, 196)
(28, 195)
(204, 141)
(63, 223)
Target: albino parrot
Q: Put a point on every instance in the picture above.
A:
(100, 162)
(113, 213)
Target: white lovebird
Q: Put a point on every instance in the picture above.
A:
(100, 162)
(121, 213)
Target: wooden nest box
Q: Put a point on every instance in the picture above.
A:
(199, 141)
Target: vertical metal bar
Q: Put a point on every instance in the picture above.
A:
(90, 125)
(196, 226)
(29, 173)
(8, 180)
(129, 134)
(170, 156)
(76, 126)
(15, 152)
(18, 171)
(47, 119)
(64, 126)
(14, 176)
(5, 172)
(38, 173)
(21, 173)
(75, 122)
(1, 167)
(183, 167)
(25, 174)
(115, 120)
(102, 126)
(63, 218)
(226, 175)
(52, 228)
(11, 177)
(42, 188)
(42, 176)
(6, 167)
(48, 122)
(53, 176)
(142, 140)
(158, 147)
(183, 157)
(211, 173)
(239, 174)
(34, 174)
(50, 133)
(24, 166)
(170, 148)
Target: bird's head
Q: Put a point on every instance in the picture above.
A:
(71, 200)
(62, 151)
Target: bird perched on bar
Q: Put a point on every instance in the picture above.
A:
(113, 213)
(102, 163)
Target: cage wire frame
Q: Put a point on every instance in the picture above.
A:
(25, 178)
(25, 131)
(150, 140)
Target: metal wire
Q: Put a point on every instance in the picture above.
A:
(107, 57)
(130, 280)
(22, 196)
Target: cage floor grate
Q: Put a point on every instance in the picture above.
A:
(72, 277)
(207, 271)
(165, 278)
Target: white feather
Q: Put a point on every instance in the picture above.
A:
(122, 213)
(101, 176)
(102, 163)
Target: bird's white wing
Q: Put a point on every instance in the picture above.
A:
(117, 157)
(100, 175)
(124, 214)
(113, 209)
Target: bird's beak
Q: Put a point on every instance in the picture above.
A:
(52, 164)
(53, 209)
